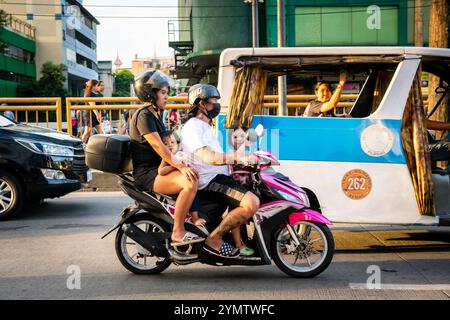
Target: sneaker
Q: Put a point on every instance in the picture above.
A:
(246, 251)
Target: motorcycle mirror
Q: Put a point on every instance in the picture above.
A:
(259, 130)
(252, 136)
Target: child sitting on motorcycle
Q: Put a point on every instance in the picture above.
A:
(169, 140)
(239, 140)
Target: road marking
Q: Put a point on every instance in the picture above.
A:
(97, 194)
(391, 286)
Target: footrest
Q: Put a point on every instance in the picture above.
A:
(444, 220)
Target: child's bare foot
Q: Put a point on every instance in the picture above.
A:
(199, 222)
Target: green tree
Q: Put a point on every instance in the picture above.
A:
(3, 19)
(122, 83)
(51, 83)
(28, 89)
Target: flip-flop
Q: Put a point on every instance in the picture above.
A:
(226, 250)
(188, 238)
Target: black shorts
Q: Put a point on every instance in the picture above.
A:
(224, 190)
(87, 115)
(145, 177)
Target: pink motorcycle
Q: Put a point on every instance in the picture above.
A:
(284, 229)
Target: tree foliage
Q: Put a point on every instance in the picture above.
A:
(122, 83)
(3, 20)
(51, 83)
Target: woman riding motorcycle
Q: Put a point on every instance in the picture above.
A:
(147, 150)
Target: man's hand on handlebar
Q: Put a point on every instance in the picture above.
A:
(249, 159)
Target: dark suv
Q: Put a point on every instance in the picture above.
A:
(37, 163)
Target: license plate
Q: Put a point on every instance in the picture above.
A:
(88, 176)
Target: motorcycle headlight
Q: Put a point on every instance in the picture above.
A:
(304, 201)
(46, 148)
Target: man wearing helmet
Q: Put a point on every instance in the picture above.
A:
(147, 150)
(199, 139)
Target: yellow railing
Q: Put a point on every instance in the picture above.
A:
(302, 101)
(119, 104)
(26, 105)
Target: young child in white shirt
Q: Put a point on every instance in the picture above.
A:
(170, 142)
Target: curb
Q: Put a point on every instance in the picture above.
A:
(102, 181)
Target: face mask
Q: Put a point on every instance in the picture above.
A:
(211, 114)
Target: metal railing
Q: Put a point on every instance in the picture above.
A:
(302, 101)
(118, 104)
(21, 26)
(114, 107)
(51, 107)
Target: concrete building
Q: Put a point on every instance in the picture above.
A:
(139, 65)
(65, 33)
(17, 62)
(106, 74)
(345, 23)
(205, 28)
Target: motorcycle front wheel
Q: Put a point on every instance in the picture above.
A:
(136, 258)
(311, 256)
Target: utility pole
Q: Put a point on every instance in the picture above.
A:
(255, 21)
(439, 38)
(418, 23)
(282, 105)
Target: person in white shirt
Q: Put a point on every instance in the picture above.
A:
(199, 139)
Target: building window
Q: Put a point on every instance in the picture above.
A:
(19, 54)
(344, 26)
(88, 23)
(57, 16)
(30, 16)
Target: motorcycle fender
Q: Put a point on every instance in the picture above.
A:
(126, 214)
(308, 215)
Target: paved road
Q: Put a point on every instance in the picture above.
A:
(37, 250)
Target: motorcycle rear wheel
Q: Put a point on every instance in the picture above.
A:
(316, 240)
(134, 257)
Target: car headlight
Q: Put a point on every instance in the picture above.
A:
(50, 174)
(289, 197)
(46, 148)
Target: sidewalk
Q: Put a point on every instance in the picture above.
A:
(102, 181)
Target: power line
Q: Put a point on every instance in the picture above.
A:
(364, 3)
(222, 16)
(126, 6)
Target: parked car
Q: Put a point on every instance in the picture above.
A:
(37, 163)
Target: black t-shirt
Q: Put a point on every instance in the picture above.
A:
(144, 122)
(96, 95)
(313, 110)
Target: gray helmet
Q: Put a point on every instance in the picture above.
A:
(148, 83)
(200, 92)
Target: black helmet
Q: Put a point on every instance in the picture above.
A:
(200, 92)
(148, 83)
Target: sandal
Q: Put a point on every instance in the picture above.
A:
(188, 238)
(226, 250)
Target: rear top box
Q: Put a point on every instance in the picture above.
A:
(109, 153)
